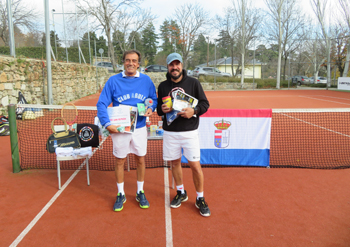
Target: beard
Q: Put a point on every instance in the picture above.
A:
(175, 77)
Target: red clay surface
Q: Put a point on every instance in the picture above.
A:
(250, 206)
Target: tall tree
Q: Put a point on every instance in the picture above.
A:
(191, 18)
(170, 36)
(340, 49)
(33, 39)
(53, 38)
(200, 47)
(275, 8)
(118, 37)
(23, 16)
(135, 40)
(320, 8)
(293, 31)
(101, 42)
(104, 12)
(228, 36)
(345, 21)
(149, 44)
(129, 24)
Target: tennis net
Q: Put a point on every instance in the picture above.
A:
(300, 138)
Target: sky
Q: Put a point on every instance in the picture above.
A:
(161, 8)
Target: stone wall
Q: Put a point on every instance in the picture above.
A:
(207, 86)
(70, 81)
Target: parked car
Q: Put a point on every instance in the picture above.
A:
(300, 80)
(320, 79)
(156, 68)
(109, 66)
(208, 71)
(189, 72)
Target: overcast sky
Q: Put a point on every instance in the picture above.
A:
(161, 8)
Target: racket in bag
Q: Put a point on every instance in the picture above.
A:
(64, 138)
(88, 135)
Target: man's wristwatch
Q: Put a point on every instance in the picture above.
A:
(195, 110)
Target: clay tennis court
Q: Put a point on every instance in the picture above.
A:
(250, 206)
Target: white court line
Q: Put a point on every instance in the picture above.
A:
(332, 97)
(325, 100)
(168, 224)
(47, 206)
(339, 133)
(53, 199)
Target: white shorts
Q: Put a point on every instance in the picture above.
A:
(174, 142)
(125, 143)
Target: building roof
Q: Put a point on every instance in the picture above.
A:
(227, 61)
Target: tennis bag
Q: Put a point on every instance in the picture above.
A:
(88, 135)
(64, 138)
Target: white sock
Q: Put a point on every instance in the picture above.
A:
(139, 186)
(121, 188)
(200, 194)
(181, 188)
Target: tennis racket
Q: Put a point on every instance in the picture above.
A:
(70, 113)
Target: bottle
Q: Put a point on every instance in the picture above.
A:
(148, 124)
(148, 102)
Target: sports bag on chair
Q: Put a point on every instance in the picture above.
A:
(88, 135)
(65, 138)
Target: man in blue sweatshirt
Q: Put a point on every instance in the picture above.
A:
(128, 88)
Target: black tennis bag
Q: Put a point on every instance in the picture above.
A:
(88, 135)
(65, 138)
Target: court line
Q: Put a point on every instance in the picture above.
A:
(332, 97)
(325, 100)
(168, 223)
(339, 133)
(47, 206)
(53, 199)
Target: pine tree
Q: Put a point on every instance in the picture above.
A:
(149, 43)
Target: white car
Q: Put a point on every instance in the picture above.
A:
(320, 79)
(209, 71)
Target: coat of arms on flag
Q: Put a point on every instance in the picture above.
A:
(222, 134)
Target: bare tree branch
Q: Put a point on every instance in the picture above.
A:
(191, 18)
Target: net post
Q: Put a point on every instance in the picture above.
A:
(13, 138)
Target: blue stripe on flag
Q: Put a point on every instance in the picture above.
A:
(239, 157)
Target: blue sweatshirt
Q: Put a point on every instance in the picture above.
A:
(126, 91)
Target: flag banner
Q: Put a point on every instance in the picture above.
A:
(235, 137)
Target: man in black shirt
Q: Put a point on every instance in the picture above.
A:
(182, 133)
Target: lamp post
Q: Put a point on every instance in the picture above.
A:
(208, 53)
(254, 65)
(54, 30)
(225, 62)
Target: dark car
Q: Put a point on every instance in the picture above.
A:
(300, 80)
(156, 68)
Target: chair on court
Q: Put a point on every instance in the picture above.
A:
(66, 158)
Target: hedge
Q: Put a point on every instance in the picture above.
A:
(40, 53)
